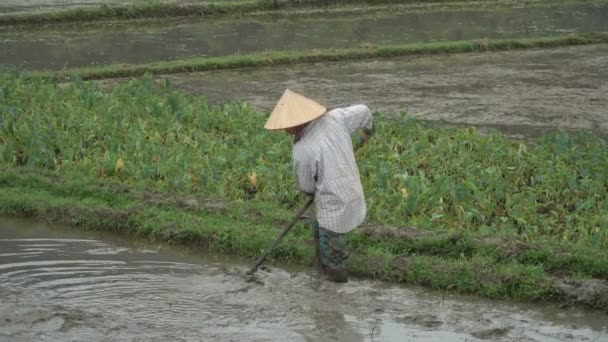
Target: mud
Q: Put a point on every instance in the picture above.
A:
(60, 284)
(388, 232)
(593, 293)
(188, 202)
(66, 46)
(521, 93)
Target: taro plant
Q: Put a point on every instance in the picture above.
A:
(147, 135)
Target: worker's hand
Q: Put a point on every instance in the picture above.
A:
(364, 138)
(366, 134)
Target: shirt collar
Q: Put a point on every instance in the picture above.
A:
(305, 130)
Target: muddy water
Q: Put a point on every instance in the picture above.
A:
(70, 46)
(61, 284)
(522, 93)
(23, 6)
(29, 6)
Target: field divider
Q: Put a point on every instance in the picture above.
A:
(285, 8)
(280, 58)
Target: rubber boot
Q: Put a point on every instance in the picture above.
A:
(318, 264)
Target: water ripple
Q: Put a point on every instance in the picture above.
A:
(85, 289)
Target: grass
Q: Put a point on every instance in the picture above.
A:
(232, 231)
(273, 58)
(491, 217)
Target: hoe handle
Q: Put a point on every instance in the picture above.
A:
(280, 237)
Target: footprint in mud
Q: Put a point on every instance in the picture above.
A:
(116, 329)
(47, 323)
(427, 321)
(64, 321)
(491, 333)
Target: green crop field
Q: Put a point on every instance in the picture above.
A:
(448, 207)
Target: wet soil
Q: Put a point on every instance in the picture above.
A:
(66, 46)
(60, 284)
(593, 293)
(37, 6)
(28, 6)
(521, 93)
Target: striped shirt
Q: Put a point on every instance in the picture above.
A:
(325, 165)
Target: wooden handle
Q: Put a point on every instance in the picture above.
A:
(280, 237)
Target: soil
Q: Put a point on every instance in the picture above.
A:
(593, 293)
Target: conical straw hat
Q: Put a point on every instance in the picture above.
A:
(293, 110)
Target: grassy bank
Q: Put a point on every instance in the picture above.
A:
(486, 215)
(159, 9)
(273, 58)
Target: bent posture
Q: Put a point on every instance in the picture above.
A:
(325, 168)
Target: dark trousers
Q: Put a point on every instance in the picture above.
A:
(331, 247)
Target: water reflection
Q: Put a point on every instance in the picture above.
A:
(62, 284)
(69, 46)
(521, 93)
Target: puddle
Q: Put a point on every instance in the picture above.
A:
(63, 284)
(62, 46)
(521, 93)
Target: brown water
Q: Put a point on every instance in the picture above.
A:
(62, 284)
(522, 93)
(61, 46)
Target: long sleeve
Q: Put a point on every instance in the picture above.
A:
(355, 117)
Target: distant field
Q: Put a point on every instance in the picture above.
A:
(19, 6)
(37, 12)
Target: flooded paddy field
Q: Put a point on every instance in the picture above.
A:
(63, 284)
(33, 6)
(522, 93)
(28, 6)
(64, 46)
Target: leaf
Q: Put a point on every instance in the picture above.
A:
(436, 216)
(404, 193)
(253, 179)
(120, 164)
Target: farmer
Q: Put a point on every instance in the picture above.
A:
(325, 168)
